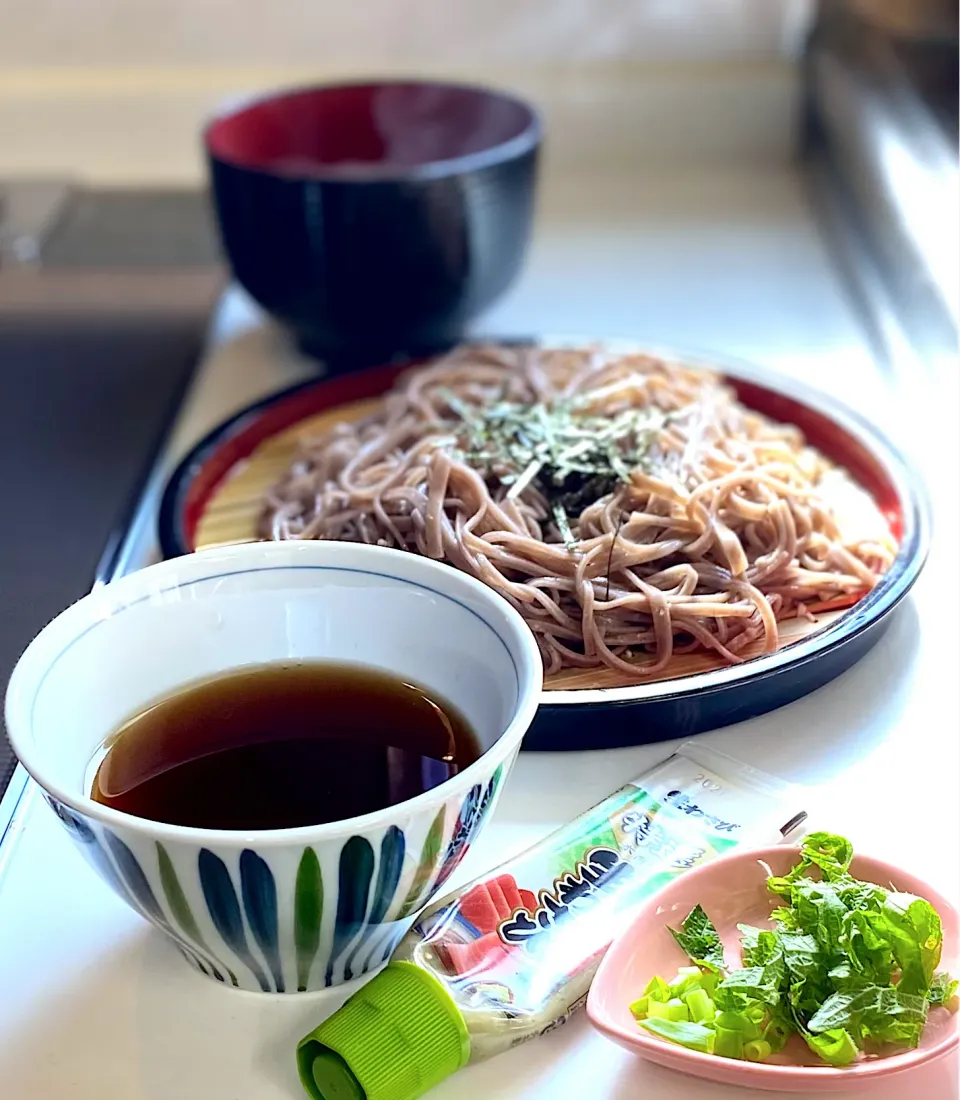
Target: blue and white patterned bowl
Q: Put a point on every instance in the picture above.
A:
(291, 909)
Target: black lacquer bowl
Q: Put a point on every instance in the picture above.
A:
(375, 219)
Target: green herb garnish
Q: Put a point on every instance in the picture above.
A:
(698, 938)
(850, 967)
(572, 456)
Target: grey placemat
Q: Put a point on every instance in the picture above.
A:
(83, 404)
(8, 763)
(133, 229)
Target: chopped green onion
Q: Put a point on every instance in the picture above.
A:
(848, 964)
(688, 977)
(728, 1044)
(835, 1047)
(757, 1050)
(700, 1006)
(709, 980)
(639, 1008)
(692, 1036)
(657, 990)
(668, 1010)
(776, 1035)
(735, 1021)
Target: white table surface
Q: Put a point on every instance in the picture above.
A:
(93, 1003)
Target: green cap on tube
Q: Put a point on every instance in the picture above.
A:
(396, 1037)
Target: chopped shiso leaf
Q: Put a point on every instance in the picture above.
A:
(698, 938)
(942, 990)
(850, 967)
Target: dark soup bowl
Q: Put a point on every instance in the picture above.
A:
(375, 219)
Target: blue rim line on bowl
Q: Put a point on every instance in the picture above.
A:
(18, 706)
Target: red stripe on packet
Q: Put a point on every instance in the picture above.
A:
(477, 907)
(496, 896)
(480, 954)
(508, 884)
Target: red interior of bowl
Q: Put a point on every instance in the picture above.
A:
(821, 431)
(381, 126)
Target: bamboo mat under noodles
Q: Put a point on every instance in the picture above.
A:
(232, 515)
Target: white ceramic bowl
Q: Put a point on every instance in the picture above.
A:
(291, 909)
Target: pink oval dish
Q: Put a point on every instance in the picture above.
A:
(732, 890)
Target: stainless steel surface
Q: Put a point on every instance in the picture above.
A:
(903, 355)
(84, 404)
(883, 153)
(910, 19)
(931, 68)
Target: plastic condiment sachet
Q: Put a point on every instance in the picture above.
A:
(511, 955)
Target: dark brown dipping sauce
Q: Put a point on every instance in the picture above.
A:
(282, 745)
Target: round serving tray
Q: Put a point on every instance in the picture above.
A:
(213, 498)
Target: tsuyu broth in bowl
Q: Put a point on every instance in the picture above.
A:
(280, 746)
(277, 753)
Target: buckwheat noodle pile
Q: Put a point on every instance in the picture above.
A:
(630, 508)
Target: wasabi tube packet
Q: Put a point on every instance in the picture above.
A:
(511, 955)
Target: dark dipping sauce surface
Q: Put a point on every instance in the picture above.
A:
(283, 745)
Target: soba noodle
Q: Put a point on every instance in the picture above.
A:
(653, 513)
